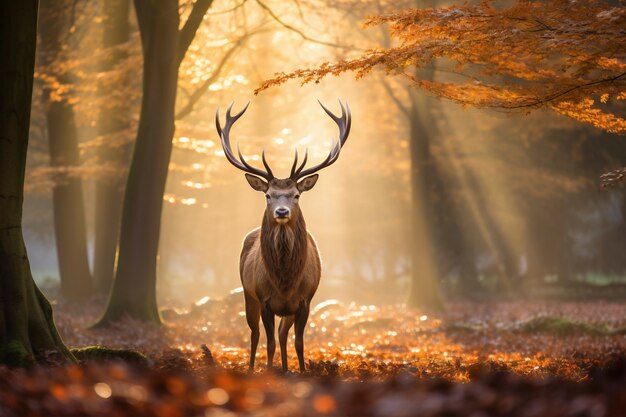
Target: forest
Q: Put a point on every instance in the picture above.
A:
(423, 200)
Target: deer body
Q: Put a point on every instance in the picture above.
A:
(272, 278)
(280, 265)
(276, 287)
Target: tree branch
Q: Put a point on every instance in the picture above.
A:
(232, 9)
(562, 93)
(536, 102)
(296, 30)
(199, 92)
(403, 108)
(188, 32)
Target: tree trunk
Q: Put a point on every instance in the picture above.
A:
(113, 118)
(69, 210)
(27, 330)
(134, 287)
(425, 273)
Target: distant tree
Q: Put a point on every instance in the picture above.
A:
(164, 47)
(428, 236)
(113, 119)
(67, 193)
(27, 329)
(561, 55)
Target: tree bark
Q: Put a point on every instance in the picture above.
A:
(113, 118)
(134, 287)
(67, 194)
(27, 330)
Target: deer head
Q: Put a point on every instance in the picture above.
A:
(282, 195)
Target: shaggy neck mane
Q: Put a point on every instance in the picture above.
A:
(284, 249)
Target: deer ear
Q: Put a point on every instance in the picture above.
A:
(307, 183)
(257, 183)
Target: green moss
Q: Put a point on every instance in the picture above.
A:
(564, 326)
(464, 327)
(101, 353)
(15, 354)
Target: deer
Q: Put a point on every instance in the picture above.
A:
(280, 266)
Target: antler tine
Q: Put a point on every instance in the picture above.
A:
(295, 172)
(249, 168)
(224, 133)
(306, 157)
(295, 162)
(225, 140)
(331, 114)
(347, 119)
(265, 164)
(344, 123)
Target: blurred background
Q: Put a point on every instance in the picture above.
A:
(426, 194)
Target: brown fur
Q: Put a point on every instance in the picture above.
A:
(280, 270)
(284, 249)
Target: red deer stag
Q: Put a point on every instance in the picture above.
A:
(280, 266)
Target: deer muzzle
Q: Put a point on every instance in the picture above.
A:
(282, 215)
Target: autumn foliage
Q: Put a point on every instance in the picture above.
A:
(564, 55)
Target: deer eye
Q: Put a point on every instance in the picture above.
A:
(267, 196)
(297, 197)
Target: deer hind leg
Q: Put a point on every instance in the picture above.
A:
(267, 315)
(253, 313)
(283, 335)
(301, 317)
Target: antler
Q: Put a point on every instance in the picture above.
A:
(344, 122)
(230, 155)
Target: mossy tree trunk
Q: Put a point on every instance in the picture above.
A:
(67, 195)
(114, 118)
(27, 330)
(134, 287)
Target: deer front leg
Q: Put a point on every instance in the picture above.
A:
(267, 315)
(253, 313)
(301, 317)
(283, 335)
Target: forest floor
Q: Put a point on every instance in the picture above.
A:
(478, 359)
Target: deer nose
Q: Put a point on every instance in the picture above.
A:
(282, 212)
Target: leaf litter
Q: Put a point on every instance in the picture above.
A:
(509, 358)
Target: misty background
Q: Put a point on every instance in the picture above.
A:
(513, 200)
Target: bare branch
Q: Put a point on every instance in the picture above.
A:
(188, 32)
(232, 9)
(403, 108)
(199, 92)
(296, 30)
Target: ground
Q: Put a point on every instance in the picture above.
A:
(492, 358)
